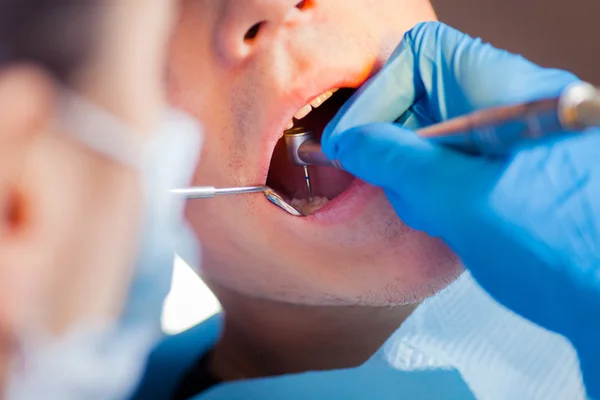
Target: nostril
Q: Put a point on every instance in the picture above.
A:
(253, 32)
(303, 5)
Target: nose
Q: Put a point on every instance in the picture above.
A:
(244, 25)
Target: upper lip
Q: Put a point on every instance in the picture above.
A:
(295, 100)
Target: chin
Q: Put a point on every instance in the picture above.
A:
(370, 259)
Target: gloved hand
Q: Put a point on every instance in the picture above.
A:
(528, 227)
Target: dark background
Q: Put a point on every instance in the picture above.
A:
(554, 33)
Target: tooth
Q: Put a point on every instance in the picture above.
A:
(290, 125)
(309, 207)
(321, 99)
(296, 202)
(316, 102)
(303, 112)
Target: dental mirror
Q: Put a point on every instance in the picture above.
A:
(276, 199)
(208, 192)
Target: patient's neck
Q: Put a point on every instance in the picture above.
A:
(265, 338)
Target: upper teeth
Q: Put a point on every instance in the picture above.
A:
(303, 112)
(315, 103)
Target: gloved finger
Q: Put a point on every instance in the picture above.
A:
(440, 73)
(431, 181)
(386, 154)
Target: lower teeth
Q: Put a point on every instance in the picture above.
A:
(307, 207)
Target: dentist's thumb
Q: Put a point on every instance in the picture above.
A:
(428, 185)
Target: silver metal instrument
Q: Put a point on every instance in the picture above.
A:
(280, 202)
(308, 183)
(208, 192)
(305, 150)
(297, 139)
(490, 132)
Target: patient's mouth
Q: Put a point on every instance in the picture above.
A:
(327, 183)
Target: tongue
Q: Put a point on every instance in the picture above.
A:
(288, 179)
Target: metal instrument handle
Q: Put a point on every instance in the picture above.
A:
(208, 192)
(201, 192)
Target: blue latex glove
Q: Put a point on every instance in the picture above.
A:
(528, 227)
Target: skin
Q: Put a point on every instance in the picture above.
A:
(69, 217)
(314, 278)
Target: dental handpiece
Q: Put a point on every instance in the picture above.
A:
(304, 149)
(491, 132)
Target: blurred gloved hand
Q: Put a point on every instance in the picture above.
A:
(528, 227)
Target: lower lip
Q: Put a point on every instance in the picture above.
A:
(348, 205)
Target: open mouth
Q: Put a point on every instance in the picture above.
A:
(288, 179)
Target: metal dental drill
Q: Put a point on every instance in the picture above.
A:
(489, 132)
(294, 139)
(304, 149)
